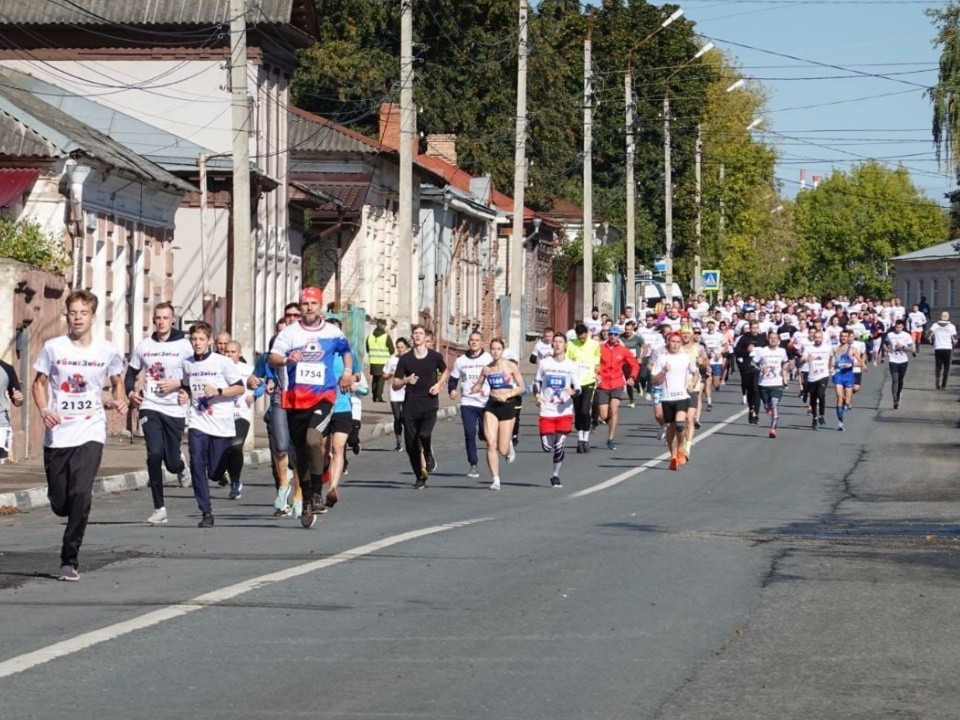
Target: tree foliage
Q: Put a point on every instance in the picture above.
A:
(945, 95)
(853, 223)
(25, 241)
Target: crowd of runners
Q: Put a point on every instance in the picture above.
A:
(674, 359)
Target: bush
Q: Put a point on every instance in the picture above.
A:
(26, 242)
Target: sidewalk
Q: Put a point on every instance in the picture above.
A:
(23, 485)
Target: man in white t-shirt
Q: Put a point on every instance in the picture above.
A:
(594, 323)
(773, 369)
(232, 462)
(544, 347)
(463, 376)
(162, 418)
(675, 371)
(68, 391)
(943, 336)
(213, 381)
(899, 344)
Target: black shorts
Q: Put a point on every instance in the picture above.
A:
(299, 421)
(340, 422)
(501, 410)
(672, 407)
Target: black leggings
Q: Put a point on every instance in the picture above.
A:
(418, 431)
(583, 407)
(397, 409)
(818, 396)
(942, 359)
(232, 461)
(897, 372)
(748, 384)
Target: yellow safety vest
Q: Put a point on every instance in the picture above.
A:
(377, 349)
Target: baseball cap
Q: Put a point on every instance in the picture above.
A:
(615, 330)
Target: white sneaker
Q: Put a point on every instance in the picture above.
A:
(662, 434)
(183, 477)
(473, 472)
(495, 485)
(512, 455)
(283, 494)
(159, 517)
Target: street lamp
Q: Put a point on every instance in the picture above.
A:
(668, 171)
(631, 158)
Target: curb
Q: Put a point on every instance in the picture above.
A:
(33, 498)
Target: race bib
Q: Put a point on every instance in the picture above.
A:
(76, 406)
(311, 373)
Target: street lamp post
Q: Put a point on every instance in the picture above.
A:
(668, 173)
(631, 159)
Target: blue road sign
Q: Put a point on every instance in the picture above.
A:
(660, 266)
(710, 279)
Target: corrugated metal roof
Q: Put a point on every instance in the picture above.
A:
(312, 133)
(348, 189)
(18, 140)
(941, 251)
(65, 135)
(14, 182)
(141, 12)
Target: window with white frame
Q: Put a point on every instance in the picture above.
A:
(919, 290)
(933, 294)
(950, 293)
(906, 291)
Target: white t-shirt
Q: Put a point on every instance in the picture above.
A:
(241, 410)
(161, 361)
(211, 415)
(467, 371)
(680, 369)
(818, 357)
(899, 312)
(714, 343)
(831, 335)
(543, 349)
(77, 375)
(769, 362)
(900, 344)
(389, 369)
(558, 381)
(861, 347)
(593, 326)
(943, 334)
(916, 321)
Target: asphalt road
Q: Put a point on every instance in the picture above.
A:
(809, 576)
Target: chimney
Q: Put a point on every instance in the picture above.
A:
(803, 178)
(443, 146)
(816, 181)
(390, 125)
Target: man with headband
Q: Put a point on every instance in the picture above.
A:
(306, 351)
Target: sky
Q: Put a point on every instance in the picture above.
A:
(817, 120)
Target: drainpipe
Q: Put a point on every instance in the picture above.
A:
(202, 165)
(76, 176)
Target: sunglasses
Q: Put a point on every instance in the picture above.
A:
(294, 315)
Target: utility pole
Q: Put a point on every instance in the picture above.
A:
(519, 187)
(242, 302)
(697, 280)
(631, 289)
(406, 279)
(587, 173)
(667, 200)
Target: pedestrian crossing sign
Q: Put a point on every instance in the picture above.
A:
(710, 279)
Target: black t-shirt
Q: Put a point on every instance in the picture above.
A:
(427, 370)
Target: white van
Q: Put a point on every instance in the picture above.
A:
(651, 292)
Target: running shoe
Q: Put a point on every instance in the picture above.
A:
(674, 462)
(611, 445)
(896, 406)
(280, 504)
(308, 519)
(681, 457)
(579, 447)
(687, 450)
(356, 448)
(814, 424)
(696, 424)
(512, 455)
(662, 433)
(297, 509)
(586, 447)
(206, 521)
(555, 482)
(495, 485)
(236, 490)
(840, 426)
(333, 497)
(399, 447)
(223, 482)
(648, 397)
(431, 463)
(631, 404)
(744, 400)
(709, 406)
(773, 432)
(183, 477)
(421, 482)
(159, 517)
(822, 421)
(68, 573)
(473, 472)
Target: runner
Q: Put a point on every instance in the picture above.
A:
(306, 351)
(423, 373)
(634, 343)
(232, 463)
(556, 384)
(899, 343)
(819, 358)
(715, 344)
(585, 352)
(916, 321)
(618, 368)
(275, 419)
(846, 358)
(338, 431)
(68, 391)
(10, 393)
(773, 368)
(749, 341)
(503, 383)
(943, 336)
(396, 396)
(544, 346)
(162, 419)
(211, 382)
(675, 371)
(463, 377)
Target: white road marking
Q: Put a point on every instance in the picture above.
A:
(633, 472)
(81, 642)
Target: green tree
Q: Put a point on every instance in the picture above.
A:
(945, 95)
(853, 223)
(26, 242)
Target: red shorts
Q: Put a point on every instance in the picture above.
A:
(551, 425)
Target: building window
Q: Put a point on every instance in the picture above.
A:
(906, 292)
(933, 294)
(919, 290)
(950, 295)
